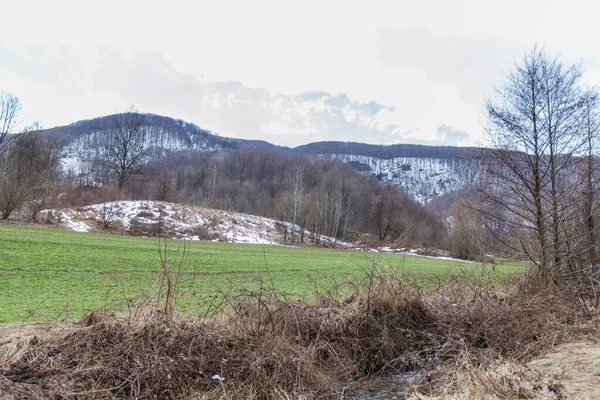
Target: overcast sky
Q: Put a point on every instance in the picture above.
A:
(287, 72)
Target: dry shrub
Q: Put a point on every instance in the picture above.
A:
(83, 195)
(262, 344)
(477, 374)
(489, 333)
(203, 232)
(266, 346)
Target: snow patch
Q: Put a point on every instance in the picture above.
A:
(148, 218)
(78, 226)
(145, 218)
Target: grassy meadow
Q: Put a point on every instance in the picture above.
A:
(53, 275)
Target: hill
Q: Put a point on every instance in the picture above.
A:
(387, 152)
(425, 172)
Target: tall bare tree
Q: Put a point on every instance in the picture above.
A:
(385, 211)
(124, 149)
(563, 115)
(592, 128)
(294, 177)
(536, 134)
(10, 109)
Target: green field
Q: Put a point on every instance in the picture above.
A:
(53, 275)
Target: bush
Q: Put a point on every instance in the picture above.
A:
(260, 344)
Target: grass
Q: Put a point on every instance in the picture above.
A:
(49, 274)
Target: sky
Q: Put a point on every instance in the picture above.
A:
(291, 73)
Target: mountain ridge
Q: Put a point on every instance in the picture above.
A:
(425, 172)
(384, 151)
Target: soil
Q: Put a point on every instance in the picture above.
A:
(567, 371)
(573, 369)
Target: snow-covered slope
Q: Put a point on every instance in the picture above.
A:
(156, 218)
(425, 172)
(425, 178)
(148, 218)
(79, 154)
(83, 141)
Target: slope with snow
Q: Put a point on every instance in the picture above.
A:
(425, 172)
(425, 178)
(148, 218)
(79, 154)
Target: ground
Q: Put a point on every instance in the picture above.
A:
(567, 371)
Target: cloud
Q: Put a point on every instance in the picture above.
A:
(474, 64)
(109, 80)
(451, 136)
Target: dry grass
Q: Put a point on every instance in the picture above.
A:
(461, 338)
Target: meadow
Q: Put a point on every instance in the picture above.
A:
(57, 275)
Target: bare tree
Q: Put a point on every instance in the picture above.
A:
(10, 109)
(384, 215)
(563, 116)
(165, 189)
(30, 165)
(465, 231)
(124, 149)
(45, 189)
(294, 181)
(592, 127)
(536, 135)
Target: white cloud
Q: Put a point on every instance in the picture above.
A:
(251, 68)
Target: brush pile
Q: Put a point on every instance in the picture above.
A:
(262, 345)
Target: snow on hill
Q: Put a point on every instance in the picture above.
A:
(150, 218)
(425, 178)
(425, 172)
(82, 141)
(155, 218)
(83, 144)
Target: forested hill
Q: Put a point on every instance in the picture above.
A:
(425, 172)
(161, 132)
(387, 152)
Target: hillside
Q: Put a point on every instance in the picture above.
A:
(425, 178)
(151, 218)
(386, 152)
(81, 141)
(178, 221)
(425, 172)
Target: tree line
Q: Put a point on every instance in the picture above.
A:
(386, 151)
(322, 196)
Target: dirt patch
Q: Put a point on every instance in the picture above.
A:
(572, 370)
(567, 371)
